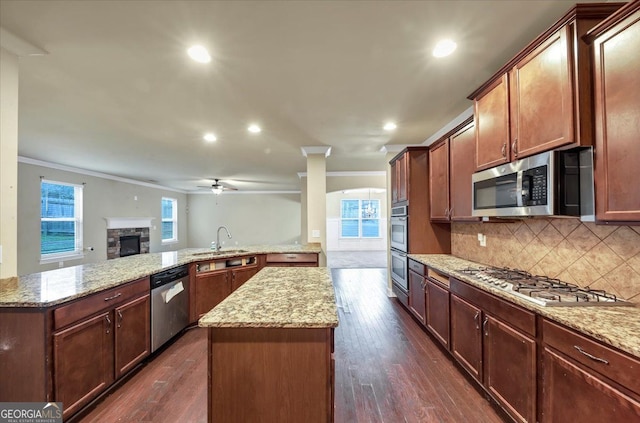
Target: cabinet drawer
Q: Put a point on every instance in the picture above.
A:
(596, 356)
(292, 258)
(517, 317)
(416, 267)
(434, 275)
(67, 314)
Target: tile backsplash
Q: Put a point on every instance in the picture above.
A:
(599, 256)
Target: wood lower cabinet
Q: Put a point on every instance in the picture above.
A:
(417, 297)
(132, 334)
(210, 290)
(466, 336)
(241, 275)
(271, 375)
(501, 352)
(438, 312)
(83, 361)
(600, 383)
(96, 340)
(617, 115)
(509, 367)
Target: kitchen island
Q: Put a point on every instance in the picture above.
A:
(271, 348)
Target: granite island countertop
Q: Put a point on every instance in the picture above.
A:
(279, 297)
(618, 326)
(53, 287)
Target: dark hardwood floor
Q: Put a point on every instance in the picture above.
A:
(387, 369)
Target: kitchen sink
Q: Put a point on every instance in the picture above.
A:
(219, 253)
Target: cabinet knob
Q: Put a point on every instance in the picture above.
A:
(484, 326)
(108, 323)
(514, 147)
(504, 150)
(475, 319)
(119, 319)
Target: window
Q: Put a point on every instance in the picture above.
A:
(169, 220)
(60, 221)
(360, 218)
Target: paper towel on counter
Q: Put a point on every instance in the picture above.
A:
(172, 292)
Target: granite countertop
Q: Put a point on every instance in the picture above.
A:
(618, 326)
(55, 287)
(279, 297)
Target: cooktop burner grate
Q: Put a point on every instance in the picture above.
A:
(542, 290)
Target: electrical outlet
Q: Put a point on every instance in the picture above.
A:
(483, 241)
(315, 233)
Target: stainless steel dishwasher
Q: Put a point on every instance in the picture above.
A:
(169, 304)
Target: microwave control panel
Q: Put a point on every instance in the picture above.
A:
(534, 186)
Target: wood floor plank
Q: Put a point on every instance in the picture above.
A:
(388, 369)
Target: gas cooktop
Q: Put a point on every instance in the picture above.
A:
(541, 290)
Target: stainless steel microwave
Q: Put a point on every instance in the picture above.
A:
(554, 183)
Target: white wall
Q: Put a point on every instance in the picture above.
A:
(252, 219)
(8, 162)
(102, 198)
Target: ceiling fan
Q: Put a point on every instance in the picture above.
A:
(217, 188)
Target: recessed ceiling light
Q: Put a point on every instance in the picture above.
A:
(210, 137)
(199, 54)
(389, 126)
(254, 129)
(444, 48)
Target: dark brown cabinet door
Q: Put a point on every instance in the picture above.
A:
(240, 276)
(211, 290)
(510, 368)
(402, 180)
(439, 181)
(462, 150)
(573, 394)
(132, 334)
(417, 295)
(542, 106)
(617, 117)
(394, 182)
(438, 312)
(492, 125)
(83, 361)
(466, 336)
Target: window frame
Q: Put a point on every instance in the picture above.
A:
(360, 218)
(173, 220)
(78, 200)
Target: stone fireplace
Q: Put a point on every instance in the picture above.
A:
(127, 236)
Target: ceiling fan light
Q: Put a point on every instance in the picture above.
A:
(217, 190)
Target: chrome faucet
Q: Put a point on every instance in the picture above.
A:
(218, 246)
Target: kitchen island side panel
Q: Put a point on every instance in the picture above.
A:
(270, 375)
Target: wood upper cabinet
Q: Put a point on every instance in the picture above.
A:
(617, 115)
(83, 361)
(451, 164)
(542, 98)
(466, 336)
(439, 180)
(399, 180)
(541, 95)
(510, 368)
(491, 114)
(132, 334)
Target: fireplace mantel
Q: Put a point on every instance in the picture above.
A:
(128, 222)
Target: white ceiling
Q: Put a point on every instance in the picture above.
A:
(117, 93)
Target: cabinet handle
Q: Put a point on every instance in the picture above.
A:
(108, 323)
(475, 319)
(504, 150)
(291, 256)
(484, 326)
(591, 356)
(450, 212)
(119, 319)
(514, 147)
(113, 297)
